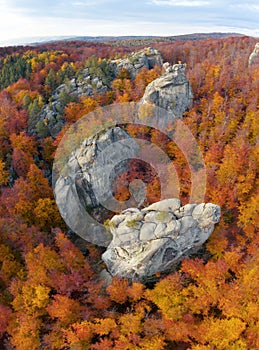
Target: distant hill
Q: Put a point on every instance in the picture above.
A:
(130, 40)
(133, 40)
(138, 41)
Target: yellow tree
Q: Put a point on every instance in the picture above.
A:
(3, 174)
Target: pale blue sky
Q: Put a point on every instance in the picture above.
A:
(32, 18)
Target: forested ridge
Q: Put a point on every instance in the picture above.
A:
(51, 296)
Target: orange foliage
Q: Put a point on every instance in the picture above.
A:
(51, 295)
(117, 290)
(66, 310)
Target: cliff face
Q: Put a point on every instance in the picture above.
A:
(254, 57)
(171, 91)
(84, 185)
(156, 238)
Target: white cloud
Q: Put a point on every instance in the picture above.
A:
(248, 6)
(185, 3)
(84, 3)
(78, 3)
(11, 22)
(72, 17)
(69, 27)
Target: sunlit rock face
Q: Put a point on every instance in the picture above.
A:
(171, 91)
(155, 239)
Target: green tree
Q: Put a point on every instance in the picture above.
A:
(34, 110)
(101, 69)
(14, 67)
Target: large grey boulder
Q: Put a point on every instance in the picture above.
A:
(155, 239)
(254, 57)
(83, 188)
(171, 91)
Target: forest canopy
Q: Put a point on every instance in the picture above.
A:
(51, 296)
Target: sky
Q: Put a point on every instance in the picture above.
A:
(20, 19)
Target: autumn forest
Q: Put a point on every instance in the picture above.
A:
(51, 293)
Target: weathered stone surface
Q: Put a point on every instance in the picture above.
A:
(254, 57)
(147, 57)
(153, 246)
(170, 204)
(146, 231)
(85, 183)
(171, 91)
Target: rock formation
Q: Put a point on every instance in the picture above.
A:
(155, 239)
(171, 91)
(254, 57)
(87, 85)
(84, 183)
(140, 242)
(147, 57)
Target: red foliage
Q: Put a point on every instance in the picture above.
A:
(51, 295)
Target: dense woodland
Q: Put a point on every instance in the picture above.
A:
(51, 296)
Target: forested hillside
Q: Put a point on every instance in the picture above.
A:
(51, 296)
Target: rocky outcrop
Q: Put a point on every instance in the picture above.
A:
(84, 184)
(254, 57)
(171, 91)
(155, 239)
(141, 242)
(147, 57)
(85, 85)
